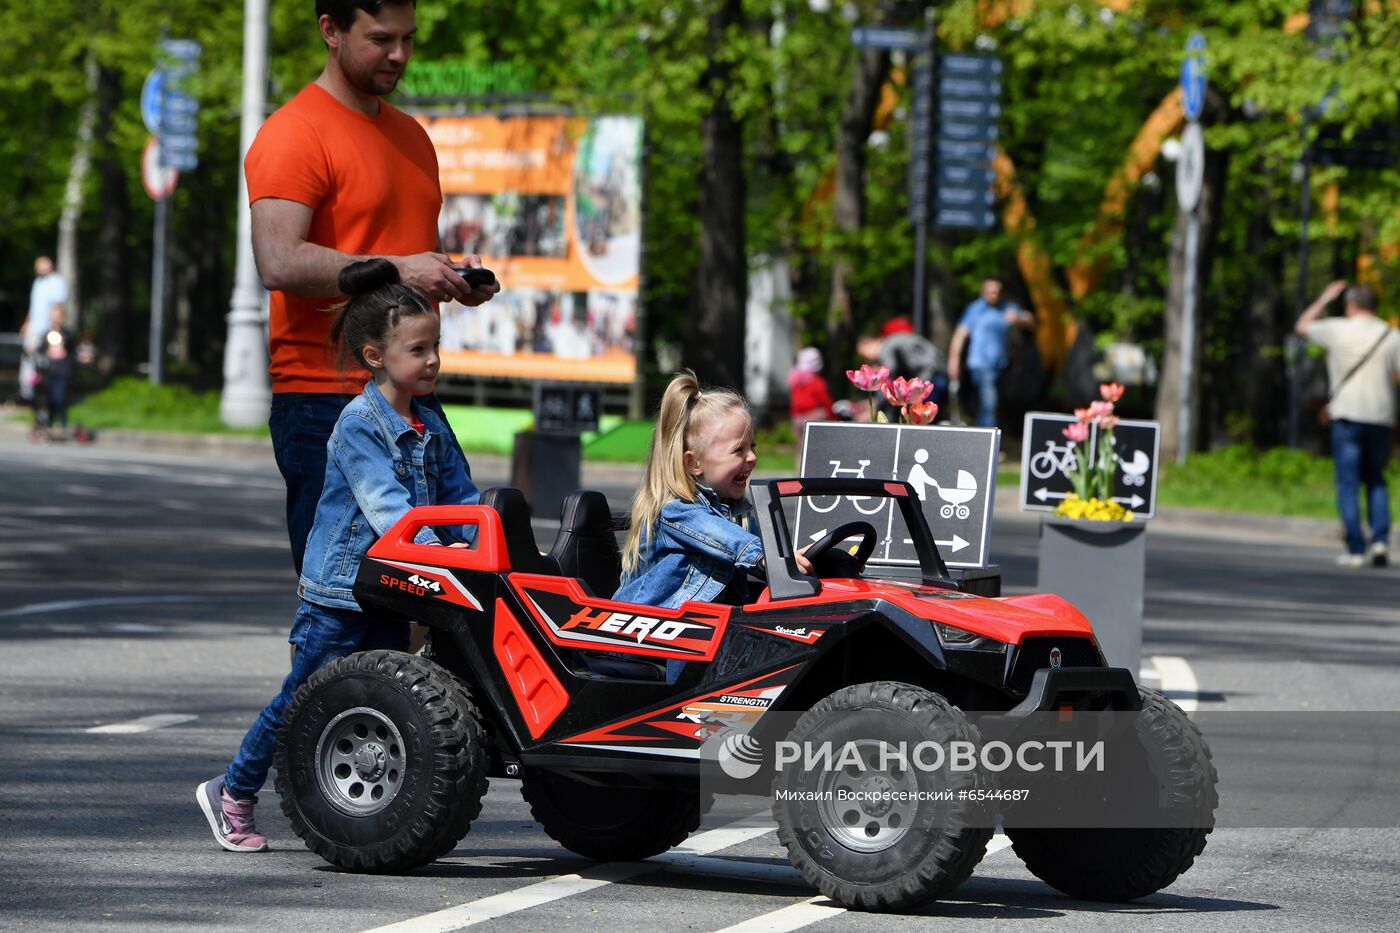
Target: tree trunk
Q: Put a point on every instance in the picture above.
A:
(871, 69)
(73, 196)
(715, 338)
(1263, 385)
(114, 275)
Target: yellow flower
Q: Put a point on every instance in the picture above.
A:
(1092, 510)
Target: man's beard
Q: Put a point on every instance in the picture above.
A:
(369, 81)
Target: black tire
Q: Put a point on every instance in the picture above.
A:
(336, 749)
(874, 857)
(1112, 864)
(612, 822)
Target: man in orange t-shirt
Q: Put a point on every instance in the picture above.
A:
(334, 176)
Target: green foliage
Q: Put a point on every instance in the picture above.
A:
(1238, 478)
(1079, 82)
(135, 404)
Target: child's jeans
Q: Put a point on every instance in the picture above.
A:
(321, 635)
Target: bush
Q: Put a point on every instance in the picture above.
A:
(133, 403)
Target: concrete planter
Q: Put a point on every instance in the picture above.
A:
(1099, 568)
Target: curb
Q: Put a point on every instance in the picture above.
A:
(1195, 521)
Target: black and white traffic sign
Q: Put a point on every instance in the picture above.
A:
(952, 470)
(1048, 458)
(561, 408)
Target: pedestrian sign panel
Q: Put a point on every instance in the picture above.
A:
(1048, 459)
(952, 470)
(567, 409)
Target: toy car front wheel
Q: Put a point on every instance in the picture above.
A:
(611, 822)
(381, 762)
(1121, 864)
(869, 827)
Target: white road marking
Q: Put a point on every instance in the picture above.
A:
(794, 917)
(1178, 681)
(98, 602)
(144, 724)
(731, 834)
(532, 895)
(552, 889)
(816, 909)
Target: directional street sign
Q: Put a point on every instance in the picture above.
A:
(1048, 458)
(952, 470)
(952, 108)
(177, 110)
(952, 63)
(877, 37)
(969, 89)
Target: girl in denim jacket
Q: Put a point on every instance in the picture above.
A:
(386, 455)
(691, 537)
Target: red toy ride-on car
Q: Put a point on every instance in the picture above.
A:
(533, 672)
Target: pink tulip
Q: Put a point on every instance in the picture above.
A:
(1077, 432)
(1099, 410)
(919, 391)
(1083, 415)
(1111, 391)
(897, 390)
(1108, 422)
(923, 412)
(868, 378)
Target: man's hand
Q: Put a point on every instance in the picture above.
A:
(1333, 290)
(1314, 310)
(803, 564)
(481, 293)
(432, 275)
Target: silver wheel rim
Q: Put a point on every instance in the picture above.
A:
(360, 761)
(859, 822)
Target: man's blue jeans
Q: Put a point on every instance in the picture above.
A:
(985, 379)
(1359, 455)
(321, 635)
(301, 424)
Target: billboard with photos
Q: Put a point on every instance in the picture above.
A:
(553, 204)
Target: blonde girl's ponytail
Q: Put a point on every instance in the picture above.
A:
(686, 413)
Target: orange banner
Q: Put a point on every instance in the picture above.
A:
(553, 205)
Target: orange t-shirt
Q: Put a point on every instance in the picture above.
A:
(372, 184)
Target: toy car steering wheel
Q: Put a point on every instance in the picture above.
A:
(840, 533)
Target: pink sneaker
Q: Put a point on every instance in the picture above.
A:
(231, 820)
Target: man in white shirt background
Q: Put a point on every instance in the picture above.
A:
(49, 291)
(1363, 365)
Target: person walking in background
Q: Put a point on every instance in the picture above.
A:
(909, 355)
(49, 291)
(55, 362)
(334, 176)
(809, 399)
(1363, 364)
(983, 330)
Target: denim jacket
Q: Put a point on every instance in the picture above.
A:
(694, 551)
(377, 468)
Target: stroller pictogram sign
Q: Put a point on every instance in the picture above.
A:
(952, 470)
(1048, 458)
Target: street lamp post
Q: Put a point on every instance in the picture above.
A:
(246, 397)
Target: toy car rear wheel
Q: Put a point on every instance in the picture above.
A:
(607, 821)
(1122, 864)
(878, 834)
(381, 762)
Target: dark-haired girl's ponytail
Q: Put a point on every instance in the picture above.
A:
(359, 278)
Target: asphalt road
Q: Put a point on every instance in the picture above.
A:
(138, 585)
